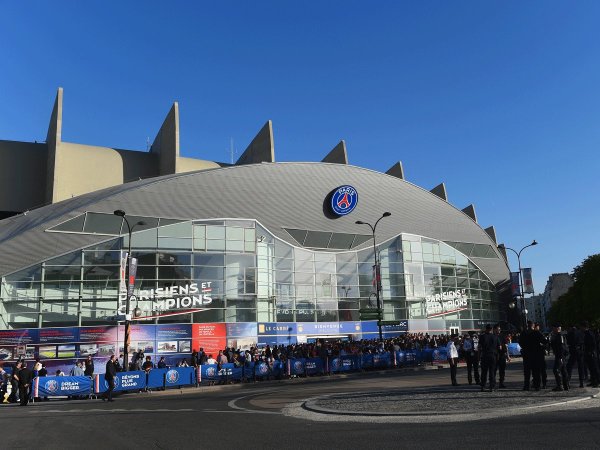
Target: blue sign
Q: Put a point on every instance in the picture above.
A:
(343, 200)
(52, 386)
(124, 381)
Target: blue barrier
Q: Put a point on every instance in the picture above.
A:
(314, 366)
(124, 381)
(55, 386)
(514, 349)
(179, 376)
(296, 366)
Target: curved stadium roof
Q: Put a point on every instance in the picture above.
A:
(278, 195)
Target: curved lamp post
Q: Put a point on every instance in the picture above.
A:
(518, 253)
(376, 267)
(122, 214)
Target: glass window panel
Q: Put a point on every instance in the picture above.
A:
(143, 239)
(250, 234)
(235, 234)
(283, 277)
(304, 278)
(298, 235)
(208, 273)
(209, 259)
(283, 250)
(73, 225)
(235, 246)
(317, 239)
(134, 222)
(62, 273)
(480, 250)
(360, 239)
(185, 244)
(214, 245)
(342, 241)
(250, 246)
(66, 260)
(103, 223)
(199, 231)
(178, 230)
(199, 244)
(284, 264)
(174, 272)
(215, 232)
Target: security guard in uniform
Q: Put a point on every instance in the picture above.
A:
(575, 341)
(471, 353)
(489, 346)
(502, 356)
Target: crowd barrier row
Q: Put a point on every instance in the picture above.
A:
(213, 373)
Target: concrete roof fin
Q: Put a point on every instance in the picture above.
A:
(166, 142)
(261, 149)
(491, 231)
(338, 155)
(440, 191)
(470, 211)
(396, 170)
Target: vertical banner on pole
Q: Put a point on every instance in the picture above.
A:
(515, 285)
(122, 283)
(527, 281)
(132, 272)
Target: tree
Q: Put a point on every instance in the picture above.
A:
(581, 302)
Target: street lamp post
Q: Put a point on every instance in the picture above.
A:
(502, 246)
(377, 268)
(122, 214)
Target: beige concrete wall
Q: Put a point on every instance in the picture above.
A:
(81, 168)
(190, 165)
(22, 175)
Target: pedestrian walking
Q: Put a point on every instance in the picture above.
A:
(575, 341)
(503, 356)
(109, 376)
(25, 379)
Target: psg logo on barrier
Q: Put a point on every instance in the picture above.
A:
(263, 369)
(211, 372)
(335, 364)
(51, 385)
(343, 200)
(172, 376)
(298, 366)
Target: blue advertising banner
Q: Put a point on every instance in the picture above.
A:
(439, 354)
(296, 366)
(277, 328)
(382, 360)
(169, 332)
(58, 335)
(277, 340)
(19, 337)
(124, 381)
(314, 366)
(209, 372)
(328, 328)
(180, 376)
(241, 329)
(156, 378)
(65, 386)
(370, 327)
(345, 363)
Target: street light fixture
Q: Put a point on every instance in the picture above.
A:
(376, 267)
(122, 214)
(504, 247)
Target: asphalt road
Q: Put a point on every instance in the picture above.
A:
(257, 416)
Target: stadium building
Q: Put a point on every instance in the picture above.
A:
(259, 245)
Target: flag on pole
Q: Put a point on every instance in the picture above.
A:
(527, 281)
(515, 285)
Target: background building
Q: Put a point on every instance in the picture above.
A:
(558, 284)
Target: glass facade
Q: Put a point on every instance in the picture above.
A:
(254, 277)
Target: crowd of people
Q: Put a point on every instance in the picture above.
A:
(485, 355)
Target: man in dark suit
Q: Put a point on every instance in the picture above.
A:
(109, 376)
(25, 379)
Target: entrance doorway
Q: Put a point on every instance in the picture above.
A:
(454, 331)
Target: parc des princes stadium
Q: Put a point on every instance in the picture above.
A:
(252, 253)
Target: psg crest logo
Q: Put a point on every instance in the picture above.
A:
(211, 371)
(298, 366)
(172, 376)
(343, 200)
(335, 364)
(263, 369)
(51, 385)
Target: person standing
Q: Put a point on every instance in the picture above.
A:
(25, 379)
(502, 356)
(452, 360)
(89, 367)
(109, 376)
(471, 357)
(14, 383)
(575, 341)
(589, 349)
(541, 361)
(560, 350)
(489, 346)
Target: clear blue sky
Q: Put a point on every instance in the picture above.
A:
(500, 100)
